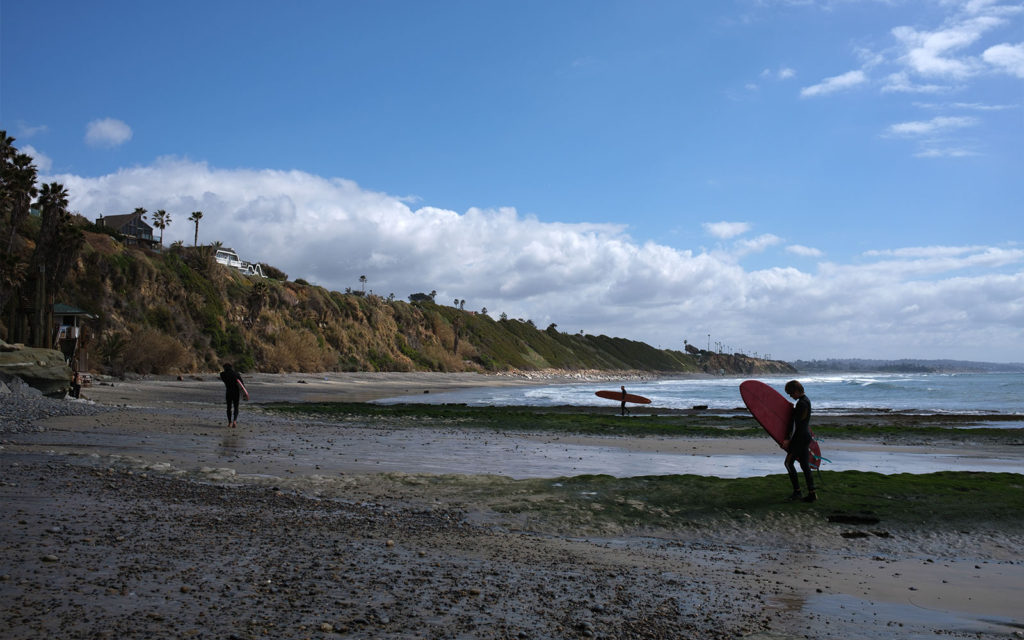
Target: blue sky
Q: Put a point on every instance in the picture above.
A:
(805, 179)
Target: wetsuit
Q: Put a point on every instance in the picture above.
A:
(232, 391)
(800, 444)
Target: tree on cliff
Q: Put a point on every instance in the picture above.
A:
(17, 189)
(56, 251)
(196, 217)
(255, 302)
(160, 220)
(18, 176)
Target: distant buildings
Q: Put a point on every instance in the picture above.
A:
(135, 231)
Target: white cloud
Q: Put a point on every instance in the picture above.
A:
(966, 301)
(782, 73)
(42, 161)
(933, 53)
(807, 252)
(929, 127)
(951, 152)
(726, 230)
(757, 245)
(991, 8)
(974, 106)
(28, 131)
(900, 82)
(1007, 57)
(835, 83)
(107, 132)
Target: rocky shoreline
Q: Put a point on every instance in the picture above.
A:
(23, 407)
(96, 552)
(101, 545)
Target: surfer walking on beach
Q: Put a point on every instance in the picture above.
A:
(624, 394)
(798, 442)
(233, 389)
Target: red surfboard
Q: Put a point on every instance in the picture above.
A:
(773, 412)
(617, 396)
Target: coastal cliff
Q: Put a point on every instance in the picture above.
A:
(179, 311)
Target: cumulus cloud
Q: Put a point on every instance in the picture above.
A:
(835, 83)
(107, 132)
(957, 301)
(726, 230)
(1007, 57)
(42, 161)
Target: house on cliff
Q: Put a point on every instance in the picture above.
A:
(130, 225)
(229, 258)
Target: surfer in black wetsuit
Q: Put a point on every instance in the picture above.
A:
(233, 389)
(624, 410)
(797, 444)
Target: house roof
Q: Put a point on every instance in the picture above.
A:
(118, 221)
(62, 309)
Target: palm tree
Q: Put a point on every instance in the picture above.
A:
(160, 220)
(19, 178)
(196, 217)
(53, 254)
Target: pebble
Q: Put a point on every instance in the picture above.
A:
(23, 406)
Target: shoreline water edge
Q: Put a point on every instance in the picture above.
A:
(136, 513)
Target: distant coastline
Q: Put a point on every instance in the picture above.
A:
(905, 365)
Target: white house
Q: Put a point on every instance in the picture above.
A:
(229, 258)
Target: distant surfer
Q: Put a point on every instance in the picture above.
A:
(624, 394)
(233, 388)
(798, 442)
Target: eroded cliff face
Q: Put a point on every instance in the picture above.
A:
(179, 311)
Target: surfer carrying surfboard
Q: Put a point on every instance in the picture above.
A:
(798, 442)
(624, 394)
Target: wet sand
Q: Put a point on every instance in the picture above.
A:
(109, 531)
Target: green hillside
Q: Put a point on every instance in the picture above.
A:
(178, 310)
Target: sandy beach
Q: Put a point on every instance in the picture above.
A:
(145, 517)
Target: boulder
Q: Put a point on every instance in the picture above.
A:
(42, 369)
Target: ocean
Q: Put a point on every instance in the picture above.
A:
(961, 393)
